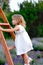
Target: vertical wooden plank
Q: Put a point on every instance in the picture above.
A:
(6, 21)
(5, 48)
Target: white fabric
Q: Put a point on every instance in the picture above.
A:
(22, 42)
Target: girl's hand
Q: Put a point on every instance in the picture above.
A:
(10, 30)
(1, 28)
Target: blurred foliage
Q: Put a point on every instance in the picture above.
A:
(32, 13)
(2, 62)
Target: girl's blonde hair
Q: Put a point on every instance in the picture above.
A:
(19, 19)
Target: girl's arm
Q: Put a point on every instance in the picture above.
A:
(9, 30)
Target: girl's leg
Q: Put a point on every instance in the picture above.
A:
(25, 58)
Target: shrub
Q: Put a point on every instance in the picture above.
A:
(2, 62)
(38, 47)
(33, 61)
(38, 55)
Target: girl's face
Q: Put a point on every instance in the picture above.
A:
(14, 22)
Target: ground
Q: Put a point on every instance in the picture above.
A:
(37, 55)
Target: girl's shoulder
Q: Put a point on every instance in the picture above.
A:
(20, 27)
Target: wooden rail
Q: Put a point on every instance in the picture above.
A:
(2, 39)
(5, 49)
(6, 21)
(4, 24)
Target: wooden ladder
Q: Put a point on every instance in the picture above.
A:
(3, 41)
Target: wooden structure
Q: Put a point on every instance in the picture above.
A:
(2, 39)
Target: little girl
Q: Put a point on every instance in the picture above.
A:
(23, 42)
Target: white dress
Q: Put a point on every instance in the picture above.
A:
(23, 42)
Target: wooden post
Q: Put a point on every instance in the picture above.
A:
(5, 48)
(3, 41)
(6, 21)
